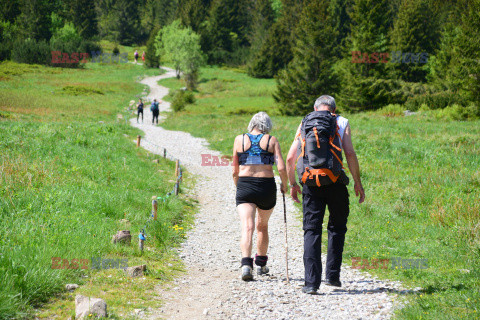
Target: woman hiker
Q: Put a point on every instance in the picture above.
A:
(139, 109)
(254, 155)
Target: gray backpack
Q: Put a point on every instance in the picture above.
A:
(319, 152)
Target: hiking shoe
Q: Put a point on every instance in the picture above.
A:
(247, 273)
(309, 290)
(333, 283)
(262, 270)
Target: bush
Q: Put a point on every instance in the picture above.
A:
(181, 98)
(31, 51)
(438, 100)
(116, 50)
(392, 110)
(89, 46)
(67, 40)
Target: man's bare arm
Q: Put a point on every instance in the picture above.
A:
(352, 162)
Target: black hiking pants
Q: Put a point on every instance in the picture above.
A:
(315, 200)
(155, 116)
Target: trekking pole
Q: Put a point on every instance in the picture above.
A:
(286, 241)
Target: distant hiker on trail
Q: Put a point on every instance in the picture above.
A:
(155, 110)
(254, 155)
(139, 109)
(317, 147)
(136, 56)
(143, 56)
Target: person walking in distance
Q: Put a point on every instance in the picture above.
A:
(155, 110)
(139, 109)
(254, 154)
(317, 148)
(143, 56)
(136, 56)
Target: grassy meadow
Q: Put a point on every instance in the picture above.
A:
(69, 172)
(421, 179)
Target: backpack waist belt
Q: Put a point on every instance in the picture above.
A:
(315, 173)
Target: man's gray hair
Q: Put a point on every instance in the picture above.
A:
(261, 121)
(325, 100)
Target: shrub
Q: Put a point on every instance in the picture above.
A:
(392, 110)
(181, 98)
(189, 97)
(67, 40)
(453, 112)
(31, 51)
(438, 100)
(116, 50)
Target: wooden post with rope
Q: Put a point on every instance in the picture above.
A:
(138, 140)
(177, 174)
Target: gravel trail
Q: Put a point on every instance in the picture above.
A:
(211, 288)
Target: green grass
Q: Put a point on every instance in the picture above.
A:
(69, 171)
(421, 179)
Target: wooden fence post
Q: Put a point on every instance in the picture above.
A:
(138, 141)
(154, 207)
(164, 152)
(176, 188)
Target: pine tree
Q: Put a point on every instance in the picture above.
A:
(338, 9)
(119, 20)
(263, 20)
(274, 55)
(152, 59)
(468, 43)
(363, 69)
(309, 74)
(156, 14)
(9, 10)
(415, 32)
(229, 26)
(34, 20)
(193, 13)
(82, 14)
(277, 49)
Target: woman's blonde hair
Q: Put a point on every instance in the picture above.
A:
(261, 121)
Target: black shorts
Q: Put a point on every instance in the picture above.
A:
(260, 191)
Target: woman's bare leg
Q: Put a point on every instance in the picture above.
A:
(262, 231)
(246, 212)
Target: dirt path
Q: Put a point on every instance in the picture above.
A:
(211, 288)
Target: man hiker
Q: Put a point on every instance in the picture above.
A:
(155, 110)
(317, 148)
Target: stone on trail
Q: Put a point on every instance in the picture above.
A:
(122, 236)
(84, 306)
(136, 271)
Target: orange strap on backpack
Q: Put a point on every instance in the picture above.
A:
(311, 173)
